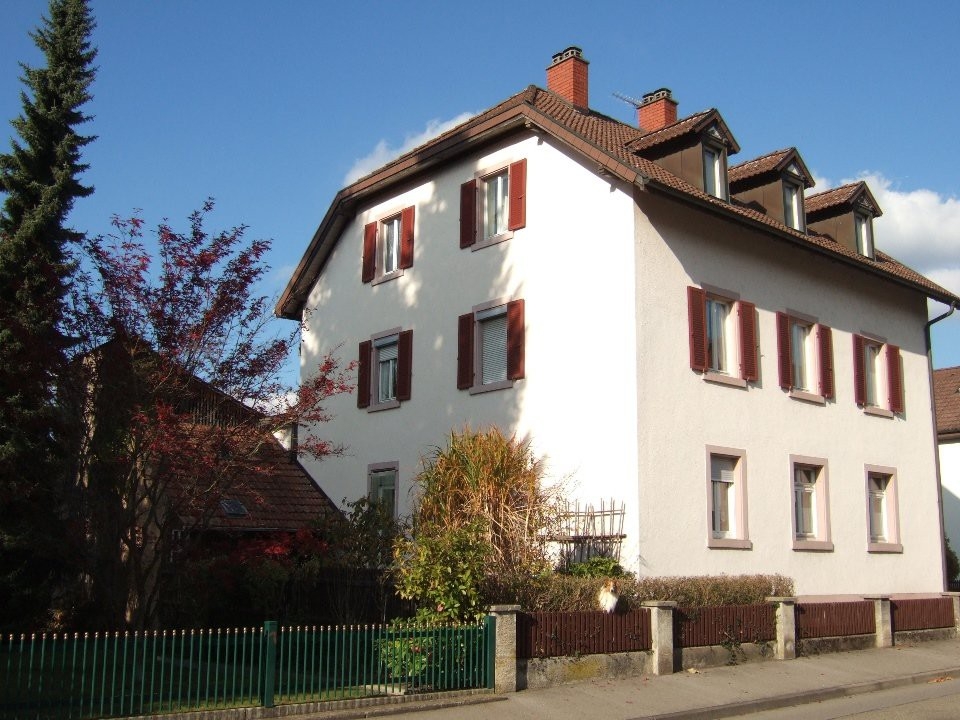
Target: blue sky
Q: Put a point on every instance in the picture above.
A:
(269, 107)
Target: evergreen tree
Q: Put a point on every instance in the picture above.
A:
(40, 178)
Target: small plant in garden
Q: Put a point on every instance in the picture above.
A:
(596, 567)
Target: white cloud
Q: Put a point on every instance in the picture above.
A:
(383, 153)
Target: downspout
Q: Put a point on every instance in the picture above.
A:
(936, 444)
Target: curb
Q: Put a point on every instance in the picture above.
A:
(800, 698)
(399, 708)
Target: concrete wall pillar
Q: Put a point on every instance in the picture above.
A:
(661, 633)
(505, 659)
(955, 596)
(786, 643)
(881, 609)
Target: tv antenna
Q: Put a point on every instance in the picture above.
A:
(627, 99)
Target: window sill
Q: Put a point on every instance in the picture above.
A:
(389, 405)
(884, 547)
(496, 239)
(809, 397)
(721, 379)
(877, 411)
(729, 544)
(813, 545)
(490, 387)
(386, 278)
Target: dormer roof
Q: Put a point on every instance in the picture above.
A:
(692, 125)
(775, 162)
(854, 196)
(609, 145)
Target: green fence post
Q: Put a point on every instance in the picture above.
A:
(490, 642)
(269, 651)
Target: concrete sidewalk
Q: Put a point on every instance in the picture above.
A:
(710, 693)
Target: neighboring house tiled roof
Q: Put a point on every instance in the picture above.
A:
(614, 147)
(946, 392)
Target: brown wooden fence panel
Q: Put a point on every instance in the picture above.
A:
(697, 627)
(556, 634)
(835, 619)
(921, 614)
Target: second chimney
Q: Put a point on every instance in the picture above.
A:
(567, 76)
(657, 110)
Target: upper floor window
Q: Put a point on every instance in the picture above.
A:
(877, 376)
(805, 357)
(723, 335)
(714, 171)
(388, 246)
(863, 225)
(493, 205)
(491, 346)
(384, 375)
(793, 205)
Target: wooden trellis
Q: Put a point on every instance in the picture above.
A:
(587, 532)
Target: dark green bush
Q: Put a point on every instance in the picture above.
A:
(596, 567)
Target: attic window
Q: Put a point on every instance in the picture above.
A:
(864, 229)
(793, 204)
(233, 508)
(714, 169)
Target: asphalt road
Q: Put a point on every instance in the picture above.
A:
(931, 701)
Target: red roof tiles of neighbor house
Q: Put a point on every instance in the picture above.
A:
(946, 393)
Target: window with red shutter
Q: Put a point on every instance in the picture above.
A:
(697, 322)
(388, 246)
(515, 340)
(404, 365)
(895, 378)
(465, 351)
(369, 252)
(518, 195)
(784, 353)
(468, 214)
(859, 378)
(407, 221)
(825, 345)
(749, 367)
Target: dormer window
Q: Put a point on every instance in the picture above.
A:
(714, 171)
(793, 204)
(864, 228)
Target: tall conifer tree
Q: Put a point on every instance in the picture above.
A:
(40, 178)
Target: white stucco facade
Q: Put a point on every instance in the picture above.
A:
(950, 477)
(609, 397)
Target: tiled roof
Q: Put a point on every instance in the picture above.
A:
(278, 496)
(615, 147)
(946, 395)
(757, 166)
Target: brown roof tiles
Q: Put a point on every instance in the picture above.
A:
(946, 393)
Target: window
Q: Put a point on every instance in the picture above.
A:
(883, 525)
(388, 246)
(805, 357)
(863, 225)
(793, 205)
(714, 172)
(811, 518)
(723, 336)
(384, 375)
(493, 205)
(877, 376)
(491, 346)
(726, 498)
(383, 486)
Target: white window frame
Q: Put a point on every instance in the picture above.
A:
(731, 338)
(389, 240)
(383, 339)
(714, 170)
(863, 228)
(889, 541)
(819, 539)
(482, 313)
(497, 173)
(793, 213)
(377, 472)
(737, 536)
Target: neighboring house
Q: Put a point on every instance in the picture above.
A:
(946, 385)
(734, 362)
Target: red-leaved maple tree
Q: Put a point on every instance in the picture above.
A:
(176, 393)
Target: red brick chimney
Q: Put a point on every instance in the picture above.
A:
(567, 76)
(657, 110)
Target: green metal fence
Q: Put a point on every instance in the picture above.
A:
(94, 675)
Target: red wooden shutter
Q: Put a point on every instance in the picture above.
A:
(749, 368)
(465, 352)
(859, 376)
(363, 374)
(895, 378)
(369, 252)
(515, 340)
(518, 195)
(406, 237)
(784, 361)
(468, 214)
(697, 315)
(825, 345)
(404, 364)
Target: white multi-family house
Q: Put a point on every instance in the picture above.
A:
(729, 358)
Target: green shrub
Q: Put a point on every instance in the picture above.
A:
(596, 567)
(953, 564)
